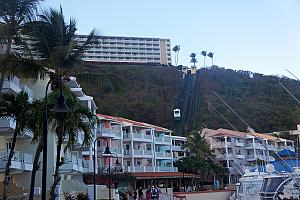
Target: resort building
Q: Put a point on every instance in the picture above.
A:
(238, 151)
(128, 50)
(140, 147)
(77, 161)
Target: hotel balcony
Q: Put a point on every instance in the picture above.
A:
(255, 145)
(137, 153)
(12, 85)
(221, 144)
(239, 144)
(272, 147)
(150, 169)
(141, 137)
(255, 157)
(72, 165)
(105, 132)
(178, 148)
(225, 157)
(162, 140)
(20, 161)
(7, 126)
(163, 155)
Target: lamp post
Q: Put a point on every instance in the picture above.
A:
(106, 152)
(109, 173)
(60, 107)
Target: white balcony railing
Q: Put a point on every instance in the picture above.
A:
(105, 132)
(12, 85)
(163, 155)
(162, 140)
(20, 161)
(7, 124)
(150, 169)
(72, 164)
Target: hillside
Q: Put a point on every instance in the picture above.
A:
(150, 93)
(260, 100)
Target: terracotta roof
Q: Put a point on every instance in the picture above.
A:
(132, 122)
(156, 175)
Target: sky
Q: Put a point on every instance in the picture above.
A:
(257, 35)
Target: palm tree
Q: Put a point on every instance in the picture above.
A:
(204, 53)
(211, 55)
(16, 108)
(176, 49)
(69, 126)
(36, 121)
(14, 15)
(193, 58)
(197, 144)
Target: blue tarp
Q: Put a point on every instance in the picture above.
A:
(285, 152)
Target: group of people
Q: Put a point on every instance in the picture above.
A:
(151, 193)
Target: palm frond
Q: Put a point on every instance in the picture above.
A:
(15, 64)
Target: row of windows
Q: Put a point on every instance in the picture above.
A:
(126, 38)
(118, 58)
(128, 48)
(122, 44)
(122, 53)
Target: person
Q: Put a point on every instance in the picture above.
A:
(148, 194)
(134, 194)
(154, 193)
(140, 193)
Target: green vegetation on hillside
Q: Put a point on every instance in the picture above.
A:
(150, 93)
(260, 100)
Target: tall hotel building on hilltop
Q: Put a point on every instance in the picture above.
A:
(128, 50)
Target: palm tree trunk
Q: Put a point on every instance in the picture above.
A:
(58, 164)
(34, 169)
(7, 51)
(204, 61)
(8, 164)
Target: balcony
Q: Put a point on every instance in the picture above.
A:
(141, 137)
(221, 144)
(150, 169)
(72, 165)
(255, 157)
(163, 155)
(162, 140)
(255, 145)
(272, 147)
(12, 85)
(105, 132)
(20, 161)
(178, 148)
(7, 126)
(138, 153)
(239, 144)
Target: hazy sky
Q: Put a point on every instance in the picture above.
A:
(258, 35)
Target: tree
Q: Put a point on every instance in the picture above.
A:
(176, 49)
(16, 108)
(204, 53)
(14, 15)
(193, 58)
(36, 121)
(211, 55)
(58, 49)
(69, 125)
(197, 145)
